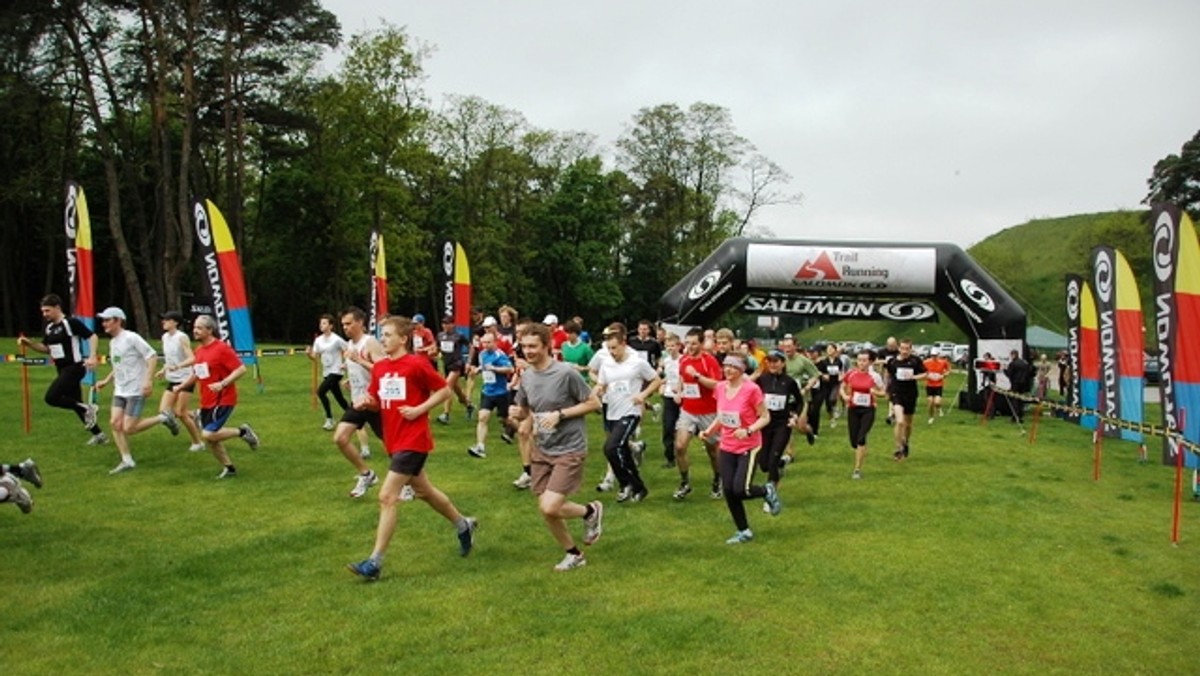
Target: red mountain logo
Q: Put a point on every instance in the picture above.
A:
(819, 269)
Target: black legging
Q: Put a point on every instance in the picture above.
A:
(64, 391)
(620, 456)
(859, 420)
(775, 440)
(670, 416)
(736, 472)
(332, 383)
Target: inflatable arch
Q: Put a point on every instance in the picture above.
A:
(853, 280)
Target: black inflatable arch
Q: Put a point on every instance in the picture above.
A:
(851, 280)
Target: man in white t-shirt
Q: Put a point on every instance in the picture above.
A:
(626, 381)
(133, 362)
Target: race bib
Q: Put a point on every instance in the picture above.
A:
(201, 370)
(57, 351)
(691, 391)
(729, 419)
(776, 402)
(447, 346)
(833, 369)
(934, 377)
(393, 388)
(904, 373)
(620, 387)
(861, 399)
(489, 377)
(541, 432)
(418, 342)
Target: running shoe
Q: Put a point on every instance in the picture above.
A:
(470, 411)
(328, 426)
(766, 508)
(638, 449)
(716, 493)
(772, 500)
(248, 434)
(366, 569)
(639, 496)
(30, 472)
(740, 537)
(811, 438)
(17, 493)
(594, 525)
(123, 466)
(407, 494)
(365, 452)
(898, 455)
(930, 420)
(905, 450)
(98, 439)
(524, 481)
(625, 493)
(477, 451)
(857, 474)
(228, 473)
(506, 436)
(443, 418)
(656, 411)
(605, 484)
(682, 492)
(169, 421)
(89, 415)
(363, 484)
(466, 537)
(196, 448)
(571, 562)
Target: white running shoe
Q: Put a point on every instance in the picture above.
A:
(328, 424)
(477, 451)
(17, 493)
(89, 416)
(123, 466)
(766, 508)
(606, 484)
(571, 562)
(524, 481)
(407, 494)
(931, 421)
(197, 447)
(594, 526)
(98, 439)
(168, 420)
(363, 484)
(250, 437)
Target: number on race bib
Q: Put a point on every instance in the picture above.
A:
(57, 351)
(776, 402)
(447, 346)
(393, 388)
(620, 387)
(905, 373)
(729, 419)
(691, 391)
(861, 399)
(489, 377)
(201, 370)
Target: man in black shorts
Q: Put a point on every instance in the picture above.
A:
(64, 343)
(363, 352)
(903, 371)
(454, 347)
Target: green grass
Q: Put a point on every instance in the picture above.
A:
(981, 554)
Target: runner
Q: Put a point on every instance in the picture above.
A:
(699, 373)
(177, 351)
(903, 372)
(404, 388)
(936, 369)
(454, 348)
(859, 389)
(494, 369)
(362, 351)
(328, 348)
(784, 403)
(627, 381)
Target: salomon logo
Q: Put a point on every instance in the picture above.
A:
(906, 311)
(701, 288)
(977, 295)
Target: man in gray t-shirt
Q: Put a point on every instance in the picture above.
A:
(557, 398)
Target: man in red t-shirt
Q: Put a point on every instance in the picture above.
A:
(215, 366)
(937, 367)
(699, 373)
(404, 388)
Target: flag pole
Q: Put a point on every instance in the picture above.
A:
(26, 409)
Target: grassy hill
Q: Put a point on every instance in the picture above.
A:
(1030, 261)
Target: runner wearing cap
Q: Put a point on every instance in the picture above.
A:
(784, 403)
(423, 340)
(453, 347)
(937, 366)
(133, 362)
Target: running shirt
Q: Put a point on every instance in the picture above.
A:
(330, 349)
(454, 347)
(936, 370)
(128, 352)
(359, 375)
(670, 374)
(860, 384)
(578, 353)
(407, 380)
(65, 340)
(648, 348)
(174, 355)
(494, 384)
(622, 380)
(695, 398)
(557, 337)
(801, 368)
(902, 373)
(547, 391)
(737, 411)
(214, 362)
(422, 338)
(782, 395)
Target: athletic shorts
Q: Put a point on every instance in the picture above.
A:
(909, 404)
(213, 419)
(931, 391)
(358, 418)
(695, 424)
(488, 402)
(408, 462)
(132, 406)
(453, 367)
(562, 474)
(189, 389)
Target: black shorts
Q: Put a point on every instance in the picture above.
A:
(191, 387)
(908, 402)
(453, 367)
(933, 391)
(358, 418)
(408, 462)
(488, 403)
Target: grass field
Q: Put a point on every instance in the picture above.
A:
(981, 554)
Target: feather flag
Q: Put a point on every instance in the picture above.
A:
(1121, 344)
(1074, 287)
(1089, 356)
(379, 288)
(1176, 256)
(223, 280)
(78, 226)
(456, 286)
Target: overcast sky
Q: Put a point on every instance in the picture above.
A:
(928, 121)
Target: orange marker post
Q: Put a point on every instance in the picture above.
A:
(26, 409)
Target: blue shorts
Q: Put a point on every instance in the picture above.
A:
(213, 419)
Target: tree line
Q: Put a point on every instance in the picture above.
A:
(150, 104)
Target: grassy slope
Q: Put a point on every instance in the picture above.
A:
(1030, 261)
(981, 554)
